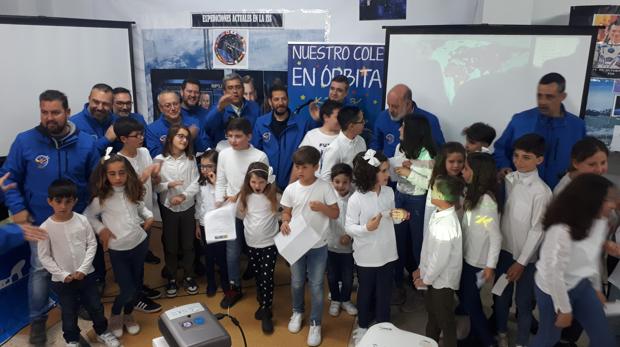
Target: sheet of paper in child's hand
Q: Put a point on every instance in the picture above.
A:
(299, 241)
(394, 163)
(220, 224)
(500, 285)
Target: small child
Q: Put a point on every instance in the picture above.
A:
(527, 198)
(215, 253)
(116, 212)
(370, 222)
(67, 254)
(339, 250)
(313, 200)
(258, 204)
(442, 260)
(588, 155)
(320, 138)
(479, 137)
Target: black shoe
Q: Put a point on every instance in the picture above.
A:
(258, 315)
(565, 344)
(266, 322)
(147, 305)
(211, 291)
(38, 334)
(190, 286)
(171, 289)
(82, 313)
(231, 296)
(150, 293)
(248, 274)
(151, 258)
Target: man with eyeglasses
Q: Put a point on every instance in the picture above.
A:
(122, 105)
(96, 118)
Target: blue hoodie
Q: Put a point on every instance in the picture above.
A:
(199, 113)
(11, 236)
(87, 124)
(280, 150)
(156, 132)
(560, 135)
(386, 135)
(35, 160)
(215, 123)
(138, 117)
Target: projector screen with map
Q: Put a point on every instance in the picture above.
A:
(466, 74)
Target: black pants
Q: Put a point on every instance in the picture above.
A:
(374, 293)
(440, 309)
(215, 254)
(128, 267)
(263, 261)
(71, 295)
(340, 269)
(178, 234)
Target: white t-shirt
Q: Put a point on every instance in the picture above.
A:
(260, 223)
(317, 139)
(298, 197)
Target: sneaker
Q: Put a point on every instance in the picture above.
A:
(190, 286)
(502, 340)
(266, 322)
(108, 339)
(334, 308)
(294, 325)
(151, 258)
(399, 296)
(349, 308)
(115, 325)
(151, 293)
(231, 296)
(130, 324)
(147, 305)
(314, 335)
(73, 344)
(357, 335)
(38, 334)
(171, 289)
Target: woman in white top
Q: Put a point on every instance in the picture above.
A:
(588, 155)
(567, 278)
(118, 202)
(482, 239)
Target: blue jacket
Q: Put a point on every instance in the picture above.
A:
(84, 121)
(560, 135)
(36, 159)
(197, 112)
(156, 132)
(280, 150)
(215, 123)
(11, 236)
(386, 135)
(138, 117)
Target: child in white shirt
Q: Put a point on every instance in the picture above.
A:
(347, 144)
(479, 137)
(320, 138)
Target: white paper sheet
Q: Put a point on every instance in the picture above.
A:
(220, 224)
(500, 285)
(480, 279)
(612, 308)
(299, 241)
(615, 139)
(394, 163)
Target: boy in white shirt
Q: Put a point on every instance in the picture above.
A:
(527, 199)
(478, 137)
(313, 200)
(441, 260)
(347, 144)
(320, 138)
(67, 255)
(232, 165)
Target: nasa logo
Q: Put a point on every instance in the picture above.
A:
(267, 136)
(41, 161)
(389, 138)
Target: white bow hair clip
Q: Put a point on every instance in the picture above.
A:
(270, 176)
(107, 153)
(369, 156)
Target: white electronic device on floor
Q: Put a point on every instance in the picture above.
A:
(192, 325)
(387, 335)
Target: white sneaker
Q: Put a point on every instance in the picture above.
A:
(130, 324)
(108, 339)
(358, 334)
(349, 308)
(502, 340)
(294, 325)
(115, 325)
(334, 308)
(314, 335)
(73, 344)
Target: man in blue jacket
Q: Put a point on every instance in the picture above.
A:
(279, 133)
(386, 135)
(96, 118)
(53, 149)
(231, 105)
(122, 105)
(561, 130)
(190, 97)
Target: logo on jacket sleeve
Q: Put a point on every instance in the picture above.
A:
(162, 139)
(267, 136)
(389, 138)
(42, 161)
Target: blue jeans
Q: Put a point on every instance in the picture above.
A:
(340, 269)
(587, 310)
(469, 296)
(233, 254)
(312, 264)
(409, 234)
(523, 299)
(614, 294)
(128, 267)
(38, 286)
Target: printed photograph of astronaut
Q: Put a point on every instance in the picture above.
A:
(383, 9)
(606, 62)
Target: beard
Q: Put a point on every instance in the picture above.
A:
(54, 127)
(281, 113)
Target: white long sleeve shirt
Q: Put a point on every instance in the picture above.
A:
(260, 223)
(232, 166)
(178, 169)
(371, 248)
(528, 197)
(441, 260)
(341, 150)
(562, 184)
(336, 227)
(140, 162)
(121, 216)
(564, 262)
(421, 169)
(205, 201)
(482, 239)
(70, 246)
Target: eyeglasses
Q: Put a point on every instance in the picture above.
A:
(170, 105)
(138, 136)
(121, 103)
(181, 136)
(208, 166)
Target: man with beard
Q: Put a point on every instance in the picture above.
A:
(122, 105)
(279, 133)
(190, 97)
(560, 129)
(97, 118)
(54, 149)
(338, 91)
(400, 103)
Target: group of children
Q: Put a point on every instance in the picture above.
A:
(447, 200)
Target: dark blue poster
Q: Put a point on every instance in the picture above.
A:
(311, 66)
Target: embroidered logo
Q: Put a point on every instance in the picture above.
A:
(162, 139)
(42, 161)
(389, 138)
(267, 136)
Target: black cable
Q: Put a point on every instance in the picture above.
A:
(220, 316)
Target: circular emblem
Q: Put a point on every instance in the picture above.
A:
(266, 136)
(162, 139)
(42, 161)
(230, 47)
(389, 138)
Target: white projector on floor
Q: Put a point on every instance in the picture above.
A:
(192, 325)
(387, 335)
